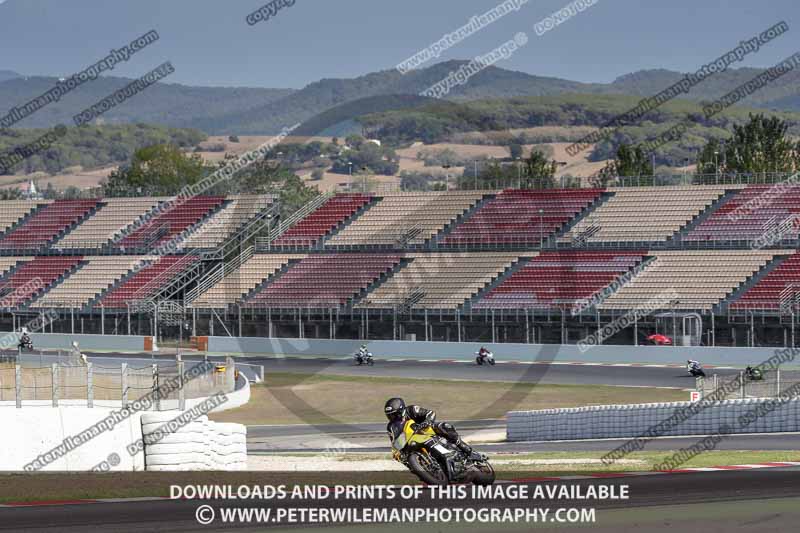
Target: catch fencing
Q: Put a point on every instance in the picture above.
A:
(770, 386)
(69, 381)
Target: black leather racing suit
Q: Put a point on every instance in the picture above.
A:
(420, 415)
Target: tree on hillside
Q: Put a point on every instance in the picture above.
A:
(515, 150)
(632, 161)
(710, 158)
(159, 170)
(761, 145)
(540, 171)
(265, 177)
(377, 160)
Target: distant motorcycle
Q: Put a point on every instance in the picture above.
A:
(363, 358)
(695, 370)
(754, 374)
(25, 345)
(485, 357)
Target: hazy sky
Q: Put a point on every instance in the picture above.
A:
(210, 43)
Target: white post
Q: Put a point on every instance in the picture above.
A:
(54, 383)
(89, 385)
(124, 382)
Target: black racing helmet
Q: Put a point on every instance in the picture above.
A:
(395, 409)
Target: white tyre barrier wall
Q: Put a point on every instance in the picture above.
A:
(199, 445)
(630, 421)
(31, 432)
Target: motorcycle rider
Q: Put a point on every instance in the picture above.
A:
(692, 364)
(398, 413)
(361, 355)
(25, 340)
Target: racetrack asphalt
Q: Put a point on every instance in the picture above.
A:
(543, 372)
(747, 500)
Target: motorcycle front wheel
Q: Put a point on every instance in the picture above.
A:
(484, 474)
(370, 362)
(427, 469)
(491, 362)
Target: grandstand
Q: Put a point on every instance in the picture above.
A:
(439, 280)
(482, 260)
(114, 215)
(701, 279)
(643, 214)
(559, 279)
(322, 221)
(747, 216)
(521, 218)
(406, 218)
(46, 223)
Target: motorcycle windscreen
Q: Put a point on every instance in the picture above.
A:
(399, 442)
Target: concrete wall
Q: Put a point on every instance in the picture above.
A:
(63, 341)
(503, 351)
(630, 421)
(32, 431)
(198, 445)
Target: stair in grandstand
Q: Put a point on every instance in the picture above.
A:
(407, 236)
(624, 279)
(560, 235)
(349, 220)
(581, 239)
(89, 214)
(285, 225)
(45, 270)
(790, 299)
(507, 273)
(10, 272)
(205, 218)
(214, 275)
(58, 281)
(247, 233)
(141, 236)
(46, 225)
(111, 245)
(460, 219)
(23, 220)
(410, 299)
(269, 279)
(176, 282)
(700, 218)
(100, 295)
(377, 282)
(750, 283)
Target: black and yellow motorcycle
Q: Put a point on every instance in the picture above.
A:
(437, 461)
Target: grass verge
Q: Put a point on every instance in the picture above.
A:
(70, 486)
(286, 398)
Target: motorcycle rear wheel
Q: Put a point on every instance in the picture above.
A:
(427, 469)
(479, 360)
(484, 475)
